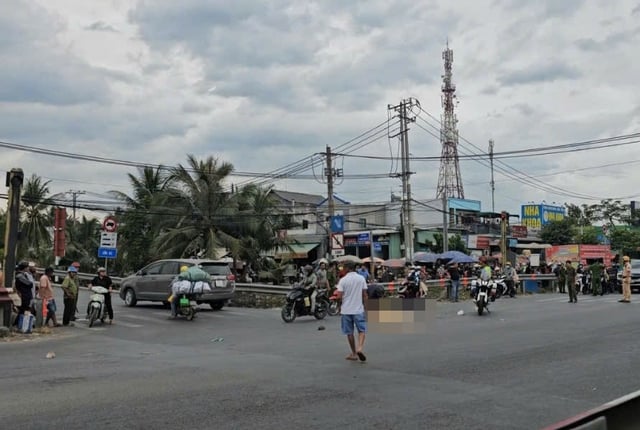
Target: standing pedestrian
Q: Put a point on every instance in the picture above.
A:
(70, 289)
(75, 304)
(596, 278)
(561, 273)
(32, 275)
(102, 280)
(352, 290)
(570, 275)
(46, 294)
(626, 281)
(454, 276)
(23, 288)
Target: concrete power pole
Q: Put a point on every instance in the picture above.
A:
(493, 184)
(407, 220)
(75, 193)
(329, 173)
(15, 178)
(445, 225)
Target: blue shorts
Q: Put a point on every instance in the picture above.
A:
(349, 321)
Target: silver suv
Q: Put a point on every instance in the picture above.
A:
(152, 282)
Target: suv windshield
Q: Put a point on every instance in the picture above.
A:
(635, 264)
(216, 269)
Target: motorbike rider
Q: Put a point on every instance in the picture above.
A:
(309, 283)
(173, 299)
(102, 280)
(485, 273)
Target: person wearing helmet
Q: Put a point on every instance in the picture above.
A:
(77, 266)
(23, 288)
(626, 280)
(70, 290)
(485, 271)
(102, 280)
(309, 283)
(174, 294)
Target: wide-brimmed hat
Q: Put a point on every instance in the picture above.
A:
(101, 269)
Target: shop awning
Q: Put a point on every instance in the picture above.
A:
(297, 250)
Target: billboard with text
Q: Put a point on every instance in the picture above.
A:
(536, 216)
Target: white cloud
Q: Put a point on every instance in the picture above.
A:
(130, 80)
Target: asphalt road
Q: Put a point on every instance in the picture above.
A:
(531, 362)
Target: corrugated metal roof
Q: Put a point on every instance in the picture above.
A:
(307, 199)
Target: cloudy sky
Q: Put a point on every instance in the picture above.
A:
(263, 84)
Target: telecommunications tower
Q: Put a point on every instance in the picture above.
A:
(449, 180)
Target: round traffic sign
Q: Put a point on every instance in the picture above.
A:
(109, 224)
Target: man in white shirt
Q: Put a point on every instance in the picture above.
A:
(352, 289)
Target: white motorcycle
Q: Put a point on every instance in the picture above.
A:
(484, 292)
(97, 310)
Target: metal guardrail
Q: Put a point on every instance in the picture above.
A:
(284, 289)
(619, 414)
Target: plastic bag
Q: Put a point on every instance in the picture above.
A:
(195, 274)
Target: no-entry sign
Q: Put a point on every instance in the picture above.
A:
(109, 224)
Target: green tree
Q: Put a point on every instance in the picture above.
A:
(626, 241)
(582, 216)
(588, 236)
(259, 222)
(559, 232)
(82, 241)
(36, 221)
(455, 243)
(138, 225)
(613, 212)
(200, 215)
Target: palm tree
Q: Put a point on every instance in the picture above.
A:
(138, 224)
(198, 213)
(259, 222)
(82, 243)
(36, 220)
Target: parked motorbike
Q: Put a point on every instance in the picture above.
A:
(503, 288)
(97, 309)
(413, 287)
(298, 303)
(482, 294)
(334, 305)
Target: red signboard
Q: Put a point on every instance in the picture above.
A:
(589, 252)
(519, 231)
(582, 253)
(484, 242)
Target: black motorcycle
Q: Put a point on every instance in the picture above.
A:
(298, 304)
(410, 289)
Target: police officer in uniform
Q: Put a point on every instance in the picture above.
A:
(596, 278)
(570, 273)
(626, 281)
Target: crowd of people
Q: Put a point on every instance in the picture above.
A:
(33, 290)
